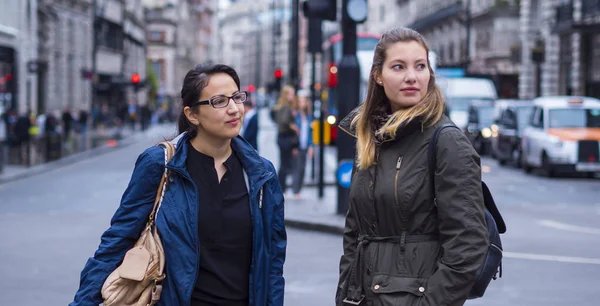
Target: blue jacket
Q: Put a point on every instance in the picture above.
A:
(309, 136)
(251, 131)
(177, 223)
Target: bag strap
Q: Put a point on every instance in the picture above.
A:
(169, 149)
(431, 156)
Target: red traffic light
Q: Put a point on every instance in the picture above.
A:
(251, 88)
(135, 78)
(278, 74)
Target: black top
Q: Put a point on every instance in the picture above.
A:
(225, 232)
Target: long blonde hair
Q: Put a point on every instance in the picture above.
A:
(283, 97)
(430, 109)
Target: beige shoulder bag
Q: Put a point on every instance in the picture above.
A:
(137, 281)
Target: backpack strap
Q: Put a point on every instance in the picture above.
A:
(431, 156)
(490, 205)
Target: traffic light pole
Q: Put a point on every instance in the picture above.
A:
(348, 97)
(294, 45)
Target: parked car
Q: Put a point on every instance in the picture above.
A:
(479, 125)
(460, 92)
(563, 135)
(510, 119)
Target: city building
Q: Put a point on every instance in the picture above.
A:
(134, 54)
(180, 34)
(65, 53)
(560, 52)
(479, 37)
(256, 35)
(19, 61)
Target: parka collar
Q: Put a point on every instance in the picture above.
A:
(403, 130)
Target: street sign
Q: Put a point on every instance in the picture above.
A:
(344, 173)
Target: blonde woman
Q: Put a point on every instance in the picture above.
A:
(401, 248)
(287, 134)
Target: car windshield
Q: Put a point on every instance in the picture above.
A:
(462, 104)
(575, 118)
(486, 116)
(523, 116)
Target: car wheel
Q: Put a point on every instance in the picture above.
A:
(519, 159)
(547, 166)
(526, 167)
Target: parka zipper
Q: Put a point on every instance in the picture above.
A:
(403, 209)
(398, 166)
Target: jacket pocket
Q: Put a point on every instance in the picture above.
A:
(397, 290)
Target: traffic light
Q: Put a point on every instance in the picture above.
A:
(135, 78)
(320, 9)
(278, 74)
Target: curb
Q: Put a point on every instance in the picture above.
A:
(312, 226)
(68, 160)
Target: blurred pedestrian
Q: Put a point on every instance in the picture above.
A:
(22, 127)
(400, 246)
(83, 121)
(250, 126)
(67, 121)
(305, 147)
(221, 222)
(287, 134)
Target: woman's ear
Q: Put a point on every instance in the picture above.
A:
(191, 116)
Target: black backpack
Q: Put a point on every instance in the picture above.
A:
(491, 268)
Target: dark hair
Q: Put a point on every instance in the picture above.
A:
(194, 82)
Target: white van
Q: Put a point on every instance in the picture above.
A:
(459, 94)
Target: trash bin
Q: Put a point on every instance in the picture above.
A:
(53, 146)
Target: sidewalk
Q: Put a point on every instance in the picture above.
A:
(312, 213)
(105, 141)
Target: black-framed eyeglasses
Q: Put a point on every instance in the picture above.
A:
(221, 101)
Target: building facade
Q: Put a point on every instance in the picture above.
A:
(134, 51)
(65, 52)
(256, 35)
(479, 37)
(180, 35)
(19, 59)
(560, 48)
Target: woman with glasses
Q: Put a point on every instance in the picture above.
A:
(221, 220)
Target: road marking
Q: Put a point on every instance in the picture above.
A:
(568, 227)
(543, 257)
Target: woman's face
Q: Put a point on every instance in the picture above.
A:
(405, 74)
(224, 123)
(302, 103)
(290, 95)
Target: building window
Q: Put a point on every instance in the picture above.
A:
(156, 36)
(111, 36)
(595, 57)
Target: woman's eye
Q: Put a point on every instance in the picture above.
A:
(397, 67)
(421, 66)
